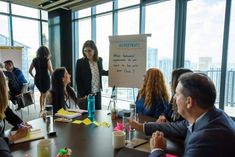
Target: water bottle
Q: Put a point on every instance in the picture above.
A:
(125, 122)
(49, 118)
(91, 107)
(133, 111)
(113, 110)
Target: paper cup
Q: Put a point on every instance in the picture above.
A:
(118, 139)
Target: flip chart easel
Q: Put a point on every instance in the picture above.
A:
(127, 62)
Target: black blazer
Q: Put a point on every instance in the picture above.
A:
(83, 75)
(12, 118)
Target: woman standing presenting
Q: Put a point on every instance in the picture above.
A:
(42, 65)
(89, 70)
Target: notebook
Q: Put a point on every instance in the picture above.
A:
(34, 134)
(67, 114)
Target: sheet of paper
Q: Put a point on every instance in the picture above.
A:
(77, 110)
(34, 134)
(77, 121)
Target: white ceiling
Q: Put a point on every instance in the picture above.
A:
(50, 5)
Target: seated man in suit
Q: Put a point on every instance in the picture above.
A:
(206, 130)
(18, 73)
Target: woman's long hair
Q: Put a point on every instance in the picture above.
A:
(3, 95)
(154, 88)
(176, 73)
(58, 92)
(43, 52)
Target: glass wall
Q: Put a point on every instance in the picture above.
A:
(128, 22)
(204, 38)
(4, 30)
(24, 11)
(84, 33)
(104, 30)
(160, 43)
(23, 18)
(4, 7)
(230, 81)
(28, 38)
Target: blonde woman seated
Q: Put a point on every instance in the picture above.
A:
(6, 113)
(62, 95)
(153, 96)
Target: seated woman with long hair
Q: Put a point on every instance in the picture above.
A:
(62, 95)
(171, 114)
(153, 96)
(7, 114)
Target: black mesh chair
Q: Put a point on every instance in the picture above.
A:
(26, 98)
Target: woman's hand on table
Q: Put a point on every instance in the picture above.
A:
(20, 133)
(25, 124)
(161, 119)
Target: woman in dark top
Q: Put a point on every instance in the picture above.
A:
(62, 95)
(89, 70)
(42, 65)
(171, 114)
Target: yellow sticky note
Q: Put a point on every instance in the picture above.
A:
(87, 121)
(64, 112)
(105, 124)
(77, 122)
(96, 123)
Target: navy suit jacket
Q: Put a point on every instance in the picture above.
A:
(4, 149)
(213, 135)
(84, 76)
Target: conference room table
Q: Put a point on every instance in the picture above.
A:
(83, 140)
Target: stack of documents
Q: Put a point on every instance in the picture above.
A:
(67, 114)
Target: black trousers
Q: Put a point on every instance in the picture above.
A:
(98, 101)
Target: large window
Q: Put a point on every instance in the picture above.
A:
(103, 31)
(230, 82)
(45, 37)
(104, 7)
(128, 22)
(126, 3)
(84, 34)
(4, 30)
(160, 43)
(23, 30)
(25, 11)
(204, 38)
(28, 38)
(3, 7)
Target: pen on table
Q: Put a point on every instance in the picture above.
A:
(140, 144)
